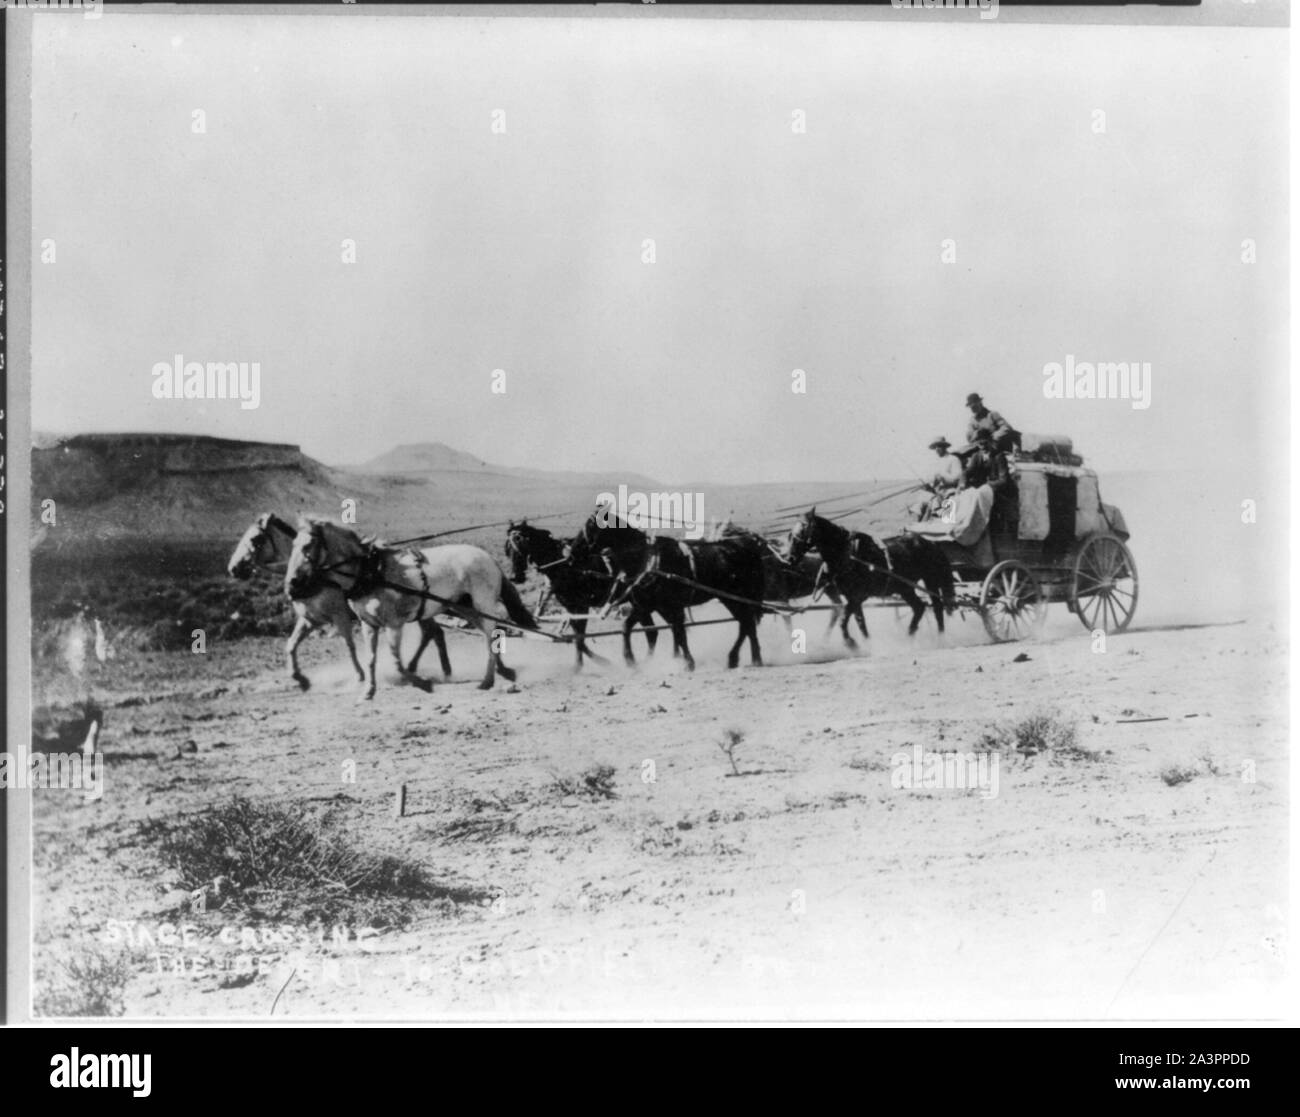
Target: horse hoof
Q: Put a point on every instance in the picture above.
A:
(303, 682)
(485, 686)
(366, 696)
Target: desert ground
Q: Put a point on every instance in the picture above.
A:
(581, 846)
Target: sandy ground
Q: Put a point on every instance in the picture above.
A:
(807, 887)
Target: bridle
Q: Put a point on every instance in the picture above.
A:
(319, 577)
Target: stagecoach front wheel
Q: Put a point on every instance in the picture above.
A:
(1104, 593)
(1012, 605)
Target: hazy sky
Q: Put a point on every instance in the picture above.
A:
(774, 249)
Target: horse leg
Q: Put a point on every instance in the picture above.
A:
(440, 642)
(583, 648)
(425, 637)
(432, 630)
(862, 621)
(836, 613)
(494, 663)
(678, 621)
(936, 600)
(918, 610)
(372, 637)
(647, 621)
(296, 637)
(755, 656)
(344, 624)
(845, 616)
(579, 644)
(628, 624)
(733, 656)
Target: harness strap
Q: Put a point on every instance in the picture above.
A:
(690, 556)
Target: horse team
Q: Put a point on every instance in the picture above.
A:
(332, 574)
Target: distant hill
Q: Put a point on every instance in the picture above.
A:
(425, 458)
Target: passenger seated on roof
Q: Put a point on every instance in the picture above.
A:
(986, 465)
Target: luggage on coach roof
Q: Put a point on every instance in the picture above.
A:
(1055, 448)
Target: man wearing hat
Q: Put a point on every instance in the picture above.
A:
(944, 480)
(1005, 437)
(985, 464)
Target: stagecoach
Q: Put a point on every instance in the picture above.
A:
(1052, 539)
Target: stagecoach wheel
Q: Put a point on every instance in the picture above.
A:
(1104, 593)
(1012, 605)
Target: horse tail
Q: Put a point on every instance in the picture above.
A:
(515, 607)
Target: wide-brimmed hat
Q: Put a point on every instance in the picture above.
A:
(974, 397)
(940, 441)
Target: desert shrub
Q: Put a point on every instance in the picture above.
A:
(1174, 774)
(597, 782)
(731, 740)
(91, 983)
(262, 857)
(1044, 731)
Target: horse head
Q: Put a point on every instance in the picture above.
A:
(319, 549)
(256, 547)
(804, 535)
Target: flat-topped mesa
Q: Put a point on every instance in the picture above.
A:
(89, 467)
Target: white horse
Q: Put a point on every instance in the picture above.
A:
(267, 545)
(389, 588)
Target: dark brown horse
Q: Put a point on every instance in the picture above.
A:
(785, 580)
(578, 587)
(667, 576)
(859, 568)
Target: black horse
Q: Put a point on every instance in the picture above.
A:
(859, 568)
(578, 586)
(785, 580)
(667, 576)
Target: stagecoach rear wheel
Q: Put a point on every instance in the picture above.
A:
(1104, 592)
(1012, 605)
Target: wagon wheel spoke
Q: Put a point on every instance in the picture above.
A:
(1105, 586)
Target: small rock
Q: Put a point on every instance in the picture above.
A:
(664, 684)
(189, 746)
(1021, 658)
(569, 801)
(610, 693)
(980, 670)
(683, 825)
